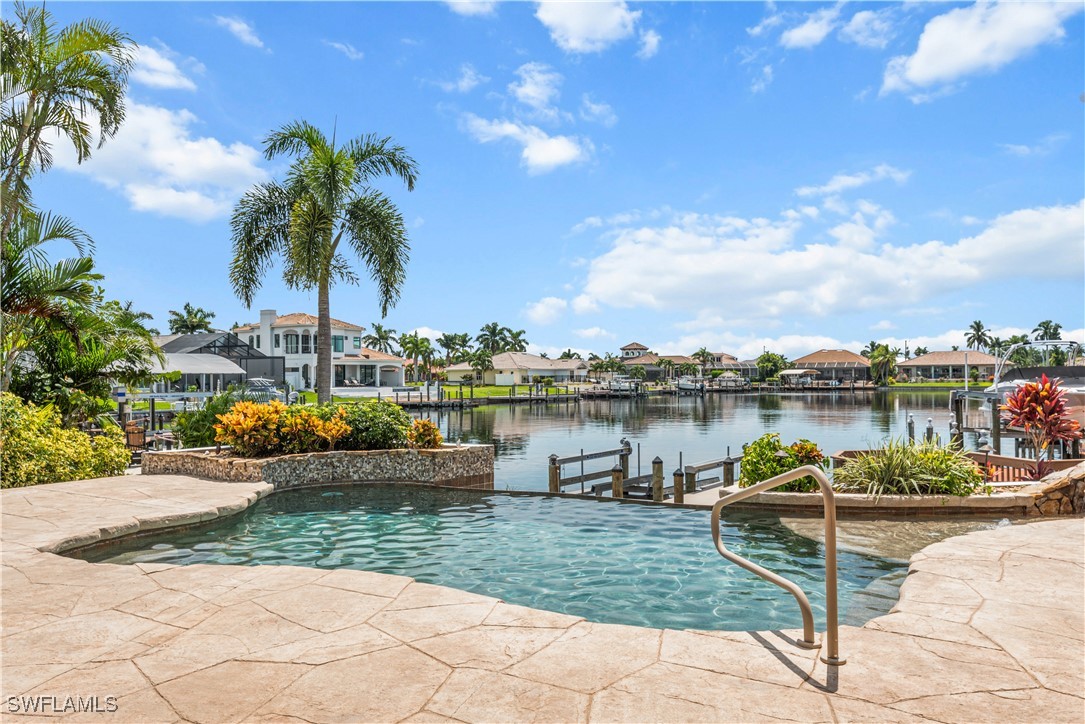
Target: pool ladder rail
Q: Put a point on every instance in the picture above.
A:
(831, 654)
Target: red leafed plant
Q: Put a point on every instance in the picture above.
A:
(1039, 408)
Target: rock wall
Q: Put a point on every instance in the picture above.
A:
(1060, 493)
(458, 466)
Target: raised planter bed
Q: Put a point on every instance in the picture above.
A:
(457, 466)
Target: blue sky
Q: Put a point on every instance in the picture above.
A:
(730, 175)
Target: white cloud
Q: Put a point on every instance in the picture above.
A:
(762, 81)
(649, 44)
(240, 30)
(594, 333)
(541, 152)
(158, 68)
(587, 27)
(547, 310)
(865, 225)
(883, 325)
(585, 304)
(979, 38)
(1043, 147)
(346, 49)
(592, 222)
(469, 79)
(684, 264)
(598, 112)
(767, 23)
(844, 182)
(869, 28)
(159, 166)
(539, 86)
(815, 29)
(472, 7)
(428, 332)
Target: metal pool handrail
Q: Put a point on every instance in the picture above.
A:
(832, 654)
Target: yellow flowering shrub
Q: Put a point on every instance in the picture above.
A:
(424, 435)
(255, 429)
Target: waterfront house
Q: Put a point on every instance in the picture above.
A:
(247, 361)
(518, 368)
(293, 336)
(835, 364)
(633, 349)
(950, 365)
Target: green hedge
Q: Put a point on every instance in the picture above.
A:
(35, 449)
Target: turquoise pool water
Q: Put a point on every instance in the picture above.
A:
(618, 563)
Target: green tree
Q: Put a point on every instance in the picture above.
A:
(447, 342)
(637, 372)
(482, 362)
(570, 354)
(381, 339)
(883, 363)
(667, 365)
(920, 351)
(977, 336)
(997, 346)
(493, 338)
(69, 82)
(191, 320)
(869, 349)
(37, 296)
(515, 341)
(687, 368)
(414, 349)
(1047, 330)
(770, 364)
(326, 199)
(703, 358)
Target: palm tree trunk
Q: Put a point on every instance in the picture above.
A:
(324, 345)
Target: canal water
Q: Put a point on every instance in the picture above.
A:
(700, 428)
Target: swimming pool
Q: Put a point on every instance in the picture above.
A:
(608, 562)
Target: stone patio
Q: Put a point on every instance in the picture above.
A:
(989, 628)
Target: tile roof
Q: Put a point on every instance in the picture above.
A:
(523, 361)
(648, 358)
(950, 358)
(832, 358)
(372, 355)
(299, 319)
(634, 345)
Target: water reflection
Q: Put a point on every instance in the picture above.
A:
(695, 427)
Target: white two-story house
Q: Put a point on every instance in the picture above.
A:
(294, 336)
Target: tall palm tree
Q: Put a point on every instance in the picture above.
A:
(447, 342)
(570, 354)
(191, 320)
(997, 346)
(883, 363)
(381, 339)
(413, 349)
(1047, 330)
(326, 200)
(637, 372)
(51, 81)
(667, 365)
(919, 351)
(869, 349)
(977, 337)
(426, 353)
(482, 362)
(704, 358)
(687, 368)
(515, 340)
(461, 346)
(35, 294)
(492, 337)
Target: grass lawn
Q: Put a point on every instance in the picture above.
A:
(452, 392)
(949, 385)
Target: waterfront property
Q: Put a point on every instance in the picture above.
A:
(294, 337)
(520, 368)
(836, 364)
(949, 365)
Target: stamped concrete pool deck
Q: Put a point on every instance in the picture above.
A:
(989, 627)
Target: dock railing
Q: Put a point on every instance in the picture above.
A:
(831, 653)
(557, 482)
(690, 482)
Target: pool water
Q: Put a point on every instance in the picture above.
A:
(607, 562)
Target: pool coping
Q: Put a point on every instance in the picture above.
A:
(967, 625)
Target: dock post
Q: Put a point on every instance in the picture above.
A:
(679, 486)
(957, 427)
(555, 474)
(690, 481)
(657, 479)
(928, 437)
(616, 479)
(911, 428)
(996, 427)
(627, 451)
(728, 472)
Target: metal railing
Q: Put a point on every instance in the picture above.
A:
(831, 654)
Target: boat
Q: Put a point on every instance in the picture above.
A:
(622, 383)
(691, 384)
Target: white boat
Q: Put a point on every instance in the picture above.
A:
(622, 383)
(1072, 374)
(691, 384)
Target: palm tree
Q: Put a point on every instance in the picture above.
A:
(36, 295)
(492, 337)
(482, 362)
(426, 353)
(447, 342)
(637, 372)
(192, 320)
(869, 349)
(997, 346)
(515, 340)
(325, 200)
(1047, 330)
(919, 351)
(704, 358)
(977, 336)
(381, 339)
(570, 354)
(667, 365)
(883, 363)
(687, 368)
(413, 349)
(51, 79)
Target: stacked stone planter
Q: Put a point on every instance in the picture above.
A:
(457, 466)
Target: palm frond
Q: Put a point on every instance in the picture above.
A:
(377, 156)
(261, 228)
(377, 234)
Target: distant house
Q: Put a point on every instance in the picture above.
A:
(949, 365)
(835, 364)
(518, 368)
(633, 349)
(180, 348)
(649, 361)
(294, 336)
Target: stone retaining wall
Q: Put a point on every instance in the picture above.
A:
(1060, 493)
(457, 466)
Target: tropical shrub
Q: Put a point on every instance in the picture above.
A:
(256, 429)
(905, 468)
(376, 425)
(762, 459)
(1039, 408)
(425, 435)
(35, 448)
(302, 430)
(196, 428)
